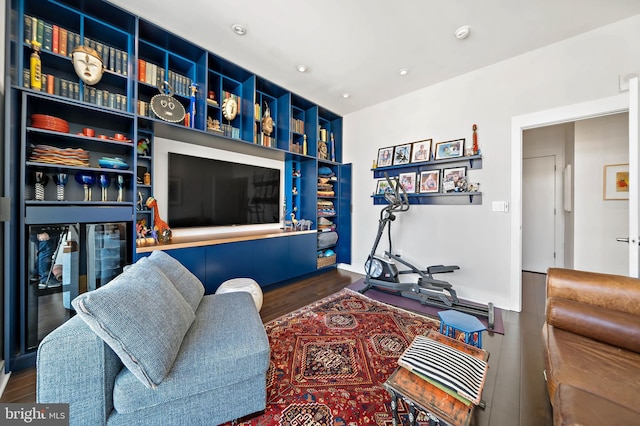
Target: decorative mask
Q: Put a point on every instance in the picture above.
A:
(88, 64)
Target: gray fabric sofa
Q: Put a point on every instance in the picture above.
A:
(114, 362)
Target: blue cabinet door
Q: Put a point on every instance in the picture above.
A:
(271, 260)
(302, 254)
(226, 261)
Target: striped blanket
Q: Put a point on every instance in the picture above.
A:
(453, 371)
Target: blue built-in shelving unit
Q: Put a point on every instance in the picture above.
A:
(139, 57)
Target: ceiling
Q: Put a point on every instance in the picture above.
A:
(357, 47)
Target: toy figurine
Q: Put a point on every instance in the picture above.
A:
(158, 224)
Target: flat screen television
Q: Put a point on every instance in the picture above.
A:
(209, 192)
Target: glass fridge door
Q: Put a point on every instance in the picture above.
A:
(54, 277)
(106, 253)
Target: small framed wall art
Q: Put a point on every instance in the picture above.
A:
(429, 181)
(616, 182)
(402, 154)
(449, 149)
(385, 157)
(408, 182)
(421, 151)
(454, 179)
(382, 186)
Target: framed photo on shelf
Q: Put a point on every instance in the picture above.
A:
(402, 154)
(429, 181)
(454, 179)
(382, 186)
(385, 157)
(449, 149)
(408, 182)
(421, 151)
(616, 182)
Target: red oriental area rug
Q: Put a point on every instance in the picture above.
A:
(330, 358)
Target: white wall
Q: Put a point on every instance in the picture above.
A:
(598, 222)
(579, 69)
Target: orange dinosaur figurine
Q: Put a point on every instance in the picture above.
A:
(164, 232)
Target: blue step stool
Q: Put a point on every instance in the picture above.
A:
(452, 321)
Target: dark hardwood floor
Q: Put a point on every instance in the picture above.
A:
(515, 392)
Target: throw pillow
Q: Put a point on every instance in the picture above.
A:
(186, 283)
(142, 317)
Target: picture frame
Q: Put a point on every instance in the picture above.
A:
(402, 154)
(408, 182)
(454, 179)
(429, 181)
(382, 186)
(449, 149)
(421, 151)
(385, 157)
(616, 182)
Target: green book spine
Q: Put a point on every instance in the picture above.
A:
(40, 32)
(28, 29)
(112, 59)
(47, 43)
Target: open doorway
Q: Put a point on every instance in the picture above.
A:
(568, 114)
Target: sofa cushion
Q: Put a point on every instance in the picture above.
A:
(593, 366)
(226, 344)
(186, 283)
(142, 317)
(573, 406)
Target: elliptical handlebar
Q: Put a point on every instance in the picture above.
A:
(395, 195)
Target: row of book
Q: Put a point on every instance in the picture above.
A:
(71, 89)
(153, 74)
(59, 40)
(297, 126)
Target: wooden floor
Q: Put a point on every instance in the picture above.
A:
(515, 392)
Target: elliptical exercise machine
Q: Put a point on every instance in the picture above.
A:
(383, 274)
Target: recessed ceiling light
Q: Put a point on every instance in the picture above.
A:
(462, 32)
(346, 95)
(239, 29)
(302, 68)
(403, 71)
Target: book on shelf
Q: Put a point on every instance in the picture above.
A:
(55, 42)
(47, 38)
(62, 41)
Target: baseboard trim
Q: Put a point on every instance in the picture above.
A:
(4, 378)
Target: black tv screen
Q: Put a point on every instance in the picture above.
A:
(208, 192)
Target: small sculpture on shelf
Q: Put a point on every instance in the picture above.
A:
(60, 179)
(40, 181)
(267, 121)
(87, 64)
(144, 147)
(120, 182)
(213, 125)
(476, 148)
(164, 232)
(105, 181)
(87, 180)
(323, 152)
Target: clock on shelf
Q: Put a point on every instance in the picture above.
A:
(229, 108)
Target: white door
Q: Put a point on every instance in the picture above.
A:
(538, 213)
(634, 190)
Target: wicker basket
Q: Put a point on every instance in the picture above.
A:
(326, 261)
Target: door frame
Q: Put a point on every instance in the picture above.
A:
(581, 111)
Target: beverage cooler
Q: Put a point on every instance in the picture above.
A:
(65, 260)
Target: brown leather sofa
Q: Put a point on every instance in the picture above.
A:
(591, 340)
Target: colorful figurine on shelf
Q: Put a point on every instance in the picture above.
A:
(160, 225)
(141, 231)
(192, 106)
(143, 147)
(476, 148)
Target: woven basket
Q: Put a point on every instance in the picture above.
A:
(326, 261)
